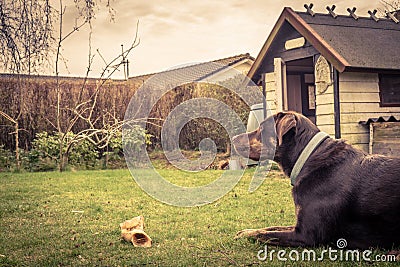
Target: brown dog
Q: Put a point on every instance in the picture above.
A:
(340, 192)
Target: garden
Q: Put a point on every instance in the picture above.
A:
(72, 219)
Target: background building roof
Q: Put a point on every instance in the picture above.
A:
(200, 71)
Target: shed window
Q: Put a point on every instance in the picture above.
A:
(389, 87)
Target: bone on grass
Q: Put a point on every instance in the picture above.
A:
(132, 231)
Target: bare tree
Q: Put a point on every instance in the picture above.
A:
(26, 38)
(86, 13)
(31, 33)
(390, 6)
(98, 130)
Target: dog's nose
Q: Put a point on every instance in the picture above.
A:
(241, 145)
(235, 139)
(240, 142)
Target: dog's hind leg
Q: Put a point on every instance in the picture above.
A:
(283, 238)
(310, 230)
(395, 253)
(280, 228)
(255, 232)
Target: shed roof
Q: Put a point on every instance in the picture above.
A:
(390, 118)
(345, 42)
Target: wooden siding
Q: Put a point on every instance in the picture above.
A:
(385, 138)
(359, 101)
(270, 89)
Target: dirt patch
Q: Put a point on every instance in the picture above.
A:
(159, 159)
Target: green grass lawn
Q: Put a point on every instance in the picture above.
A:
(72, 218)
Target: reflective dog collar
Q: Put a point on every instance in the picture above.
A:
(311, 146)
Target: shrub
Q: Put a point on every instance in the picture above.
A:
(7, 159)
(44, 155)
(133, 138)
(84, 154)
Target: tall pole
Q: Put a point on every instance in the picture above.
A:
(264, 92)
(336, 103)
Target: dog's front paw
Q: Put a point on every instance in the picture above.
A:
(247, 233)
(396, 253)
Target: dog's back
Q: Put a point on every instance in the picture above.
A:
(376, 200)
(363, 194)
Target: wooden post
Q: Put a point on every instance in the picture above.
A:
(336, 103)
(264, 92)
(280, 77)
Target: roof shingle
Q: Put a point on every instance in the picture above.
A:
(364, 43)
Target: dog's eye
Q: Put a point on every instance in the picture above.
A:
(280, 115)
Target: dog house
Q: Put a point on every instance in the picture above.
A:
(341, 71)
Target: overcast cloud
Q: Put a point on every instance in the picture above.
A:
(180, 32)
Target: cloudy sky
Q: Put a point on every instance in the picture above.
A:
(177, 32)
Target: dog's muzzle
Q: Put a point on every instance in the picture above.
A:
(241, 145)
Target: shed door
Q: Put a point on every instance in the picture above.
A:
(300, 90)
(294, 92)
(301, 94)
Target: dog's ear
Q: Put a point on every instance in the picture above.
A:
(284, 125)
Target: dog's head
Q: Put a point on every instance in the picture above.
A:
(275, 133)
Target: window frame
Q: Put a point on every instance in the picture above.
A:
(381, 84)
